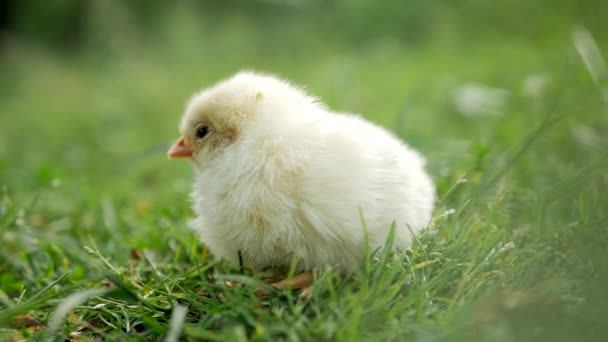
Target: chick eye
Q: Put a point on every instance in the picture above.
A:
(201, 131)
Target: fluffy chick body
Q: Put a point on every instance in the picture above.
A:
(287, 179)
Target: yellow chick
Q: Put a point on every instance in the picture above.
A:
(281, 179)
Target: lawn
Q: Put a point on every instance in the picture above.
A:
(507, 101)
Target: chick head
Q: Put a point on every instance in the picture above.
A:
(217, 116)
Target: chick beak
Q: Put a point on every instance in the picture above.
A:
(180, 150)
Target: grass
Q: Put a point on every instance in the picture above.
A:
(93, 217)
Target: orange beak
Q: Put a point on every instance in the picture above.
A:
(180, 150)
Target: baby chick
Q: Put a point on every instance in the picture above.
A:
(281, 179)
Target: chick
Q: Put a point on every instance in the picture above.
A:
(281, 179)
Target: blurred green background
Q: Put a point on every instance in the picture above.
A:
(510, 95)
(88, 84)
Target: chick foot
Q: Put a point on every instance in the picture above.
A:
(306, 292)
(300, 281)
(297, 282)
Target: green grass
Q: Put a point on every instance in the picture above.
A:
(93, 217)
